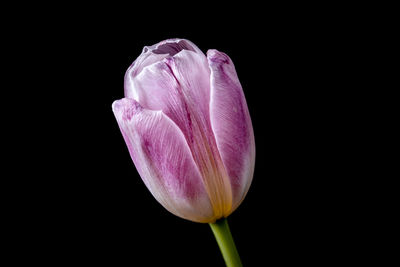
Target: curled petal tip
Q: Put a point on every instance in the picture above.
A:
(215, 56)
(173, 46)
(126, 108)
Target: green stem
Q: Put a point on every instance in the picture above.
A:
(225, 242)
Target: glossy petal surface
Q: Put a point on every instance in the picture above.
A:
(231, 124)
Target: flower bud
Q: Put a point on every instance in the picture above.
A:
(188, 130)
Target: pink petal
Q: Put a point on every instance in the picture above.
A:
(163, 160)
(231, 123)
(153, 54)
(179, 85)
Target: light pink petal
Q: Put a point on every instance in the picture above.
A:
(164, 161)
(153, 54)
(179, 85)
(231, 123)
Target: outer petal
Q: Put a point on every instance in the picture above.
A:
(231, 123)
(163, 160)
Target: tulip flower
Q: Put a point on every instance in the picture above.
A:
(188, 130)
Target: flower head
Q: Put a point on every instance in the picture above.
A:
(186, 123)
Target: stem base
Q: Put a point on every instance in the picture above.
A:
(225, 242)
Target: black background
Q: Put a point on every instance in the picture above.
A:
(83, 201)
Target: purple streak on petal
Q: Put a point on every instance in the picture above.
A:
(231, 123)
(163, 160)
